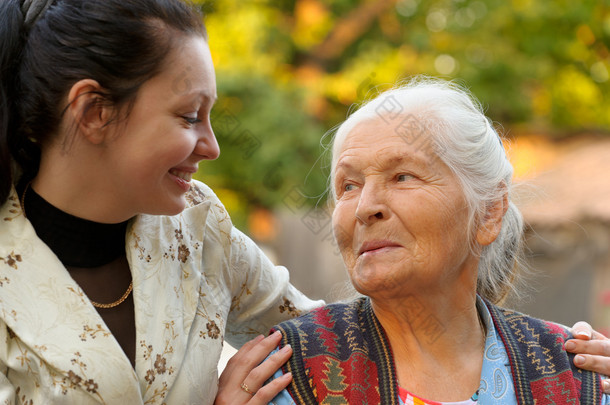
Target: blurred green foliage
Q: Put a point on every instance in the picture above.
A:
(288, 71)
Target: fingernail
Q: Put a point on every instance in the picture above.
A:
(606, 385)
(579, 360)
(570, 345)
(287, 375)
(286, 349)
(277, 333)
(584, 333)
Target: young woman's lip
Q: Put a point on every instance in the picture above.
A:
(184, 169)
(182, 183)
(376, 244)
(182, 176)
(185, 173)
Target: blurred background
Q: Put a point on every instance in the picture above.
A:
(288, 71)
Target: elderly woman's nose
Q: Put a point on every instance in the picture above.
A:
(371, 206)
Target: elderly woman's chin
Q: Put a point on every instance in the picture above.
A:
(373, 276)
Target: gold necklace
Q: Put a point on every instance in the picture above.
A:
(95, 304)
(117, 302)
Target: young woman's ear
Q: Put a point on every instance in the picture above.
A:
(491, 223)
(88, 111)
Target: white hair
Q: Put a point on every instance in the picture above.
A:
(447, 120)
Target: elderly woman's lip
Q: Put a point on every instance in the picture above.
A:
(376, 245)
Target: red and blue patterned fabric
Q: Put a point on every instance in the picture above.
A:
(341, 355)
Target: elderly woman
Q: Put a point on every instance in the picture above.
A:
(425, 223)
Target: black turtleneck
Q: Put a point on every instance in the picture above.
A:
(76, 242)
(94, 255)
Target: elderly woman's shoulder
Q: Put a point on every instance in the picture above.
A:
(518, 322)
(340, 316)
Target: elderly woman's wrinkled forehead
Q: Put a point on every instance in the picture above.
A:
(381, 138)
(408, 128)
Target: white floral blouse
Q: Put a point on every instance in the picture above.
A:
(196, 281)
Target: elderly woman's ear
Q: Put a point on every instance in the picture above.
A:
(491, 222)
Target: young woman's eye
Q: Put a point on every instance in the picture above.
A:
(191, 120)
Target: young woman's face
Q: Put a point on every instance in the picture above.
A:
(155, 153)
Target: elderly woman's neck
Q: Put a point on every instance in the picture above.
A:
(428, 318)
(437, 335)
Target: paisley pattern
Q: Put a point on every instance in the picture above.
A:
(196, 281)
(496, 379)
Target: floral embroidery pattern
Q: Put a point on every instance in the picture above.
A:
(195, 196)
(142, 251)
(150, 376)
(79, 293)
(290, 308)
(75, 380)
(223, 216)
(213, 330)
(158, 393)
(183, 253)
(158, 362)
(15, 208)
(12, 259)
(12, 314)
(23, 399)
(24, 357)
(93, 333)
(236, 301)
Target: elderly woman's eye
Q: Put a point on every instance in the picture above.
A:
(403, 177)
(349, 187)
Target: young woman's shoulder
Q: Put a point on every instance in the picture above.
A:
(200, 193)
(201, 198)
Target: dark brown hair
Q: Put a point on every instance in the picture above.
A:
(119, 43)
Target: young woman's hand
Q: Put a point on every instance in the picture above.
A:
(592, 351)
(243, 379)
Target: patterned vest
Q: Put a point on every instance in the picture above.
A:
(342, 355)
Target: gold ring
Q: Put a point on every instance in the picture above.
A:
(246, 389)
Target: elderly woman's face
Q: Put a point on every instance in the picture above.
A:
(401, 220)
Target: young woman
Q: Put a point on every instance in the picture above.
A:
(119, 275)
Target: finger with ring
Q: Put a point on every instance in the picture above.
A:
(246, 389)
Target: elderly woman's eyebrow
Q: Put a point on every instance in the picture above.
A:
(344, 165)
(386, 160)
(392, 159)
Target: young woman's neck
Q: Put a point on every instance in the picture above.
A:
(74, 183)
